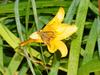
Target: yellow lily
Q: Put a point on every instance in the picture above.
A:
(53, 33)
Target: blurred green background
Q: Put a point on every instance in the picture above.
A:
(20, 18)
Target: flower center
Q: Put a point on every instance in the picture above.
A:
(46, 36)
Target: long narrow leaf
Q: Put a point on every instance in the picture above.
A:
(1, 56)
(55, 65)
(14, 64)
(91, 66)
(23, 69)
(71, 11)
(93, 8)
(1, 51)
(90, 45)
(76, 43)
(19, 29)
(98, 34)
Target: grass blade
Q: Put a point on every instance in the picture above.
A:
(9, 37)
(89, 50)
(21, 37)
(18, 20)
(37, 27)
(98, 34)
(76, 43)
(1, 51)
(94, 8)
(27, 17)
(35, 13)
(91, 66)
(14, 64)
(1, 56)
(55, 65)
(71, 11)
(23, 70)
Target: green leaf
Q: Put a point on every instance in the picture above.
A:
(93, 8)
(13, 41)
(91, 66)
(23, 69)
(91, 42)
(9, 37)
(55, 65)
(1, 56)
(98, 34)
(76, 43)
(14, 64)
(1, 51)
(2, 69)
(71, 11)
(8, 8)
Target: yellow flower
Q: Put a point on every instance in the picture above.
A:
(53, 33)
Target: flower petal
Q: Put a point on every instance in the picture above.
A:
(64, 30)
(62, 48)
(57, 45)
(28, 41)
(36, 37)
(51, 46)
(56, 20)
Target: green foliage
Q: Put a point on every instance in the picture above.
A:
(19, 19)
